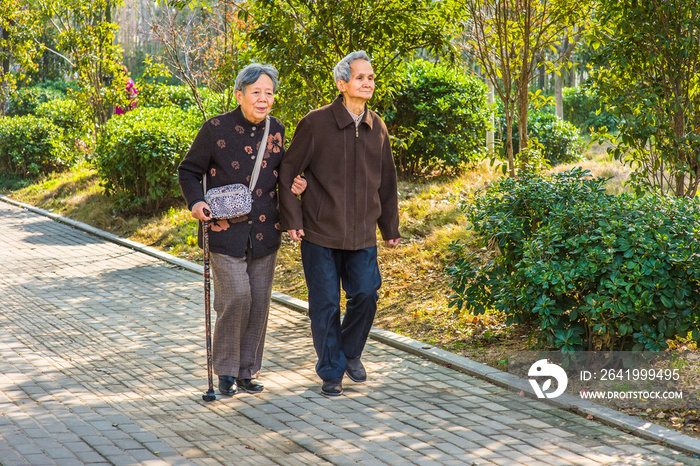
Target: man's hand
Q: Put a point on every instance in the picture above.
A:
(392, 243)
(201, 211)
(296, 234)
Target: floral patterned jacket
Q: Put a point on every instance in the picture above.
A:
(225, 149)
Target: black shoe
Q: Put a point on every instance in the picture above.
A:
(227, 385)
(333, 387)
(355, 370)
(250, 385)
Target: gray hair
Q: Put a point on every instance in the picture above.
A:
(343, 71)
(251, 73)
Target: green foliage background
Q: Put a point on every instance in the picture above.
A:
(437, 117)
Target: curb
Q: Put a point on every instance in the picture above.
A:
(631, 424)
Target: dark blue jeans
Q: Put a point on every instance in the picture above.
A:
(325, 270)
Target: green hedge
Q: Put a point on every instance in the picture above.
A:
(25, 101)
(137, 155)
(561, 140)
(594, 271)
(437, 117)
(583, 108)
(163, 95)
(31, 146)
(72, 119)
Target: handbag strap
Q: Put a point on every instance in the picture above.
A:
(258, 159)
(261, 155)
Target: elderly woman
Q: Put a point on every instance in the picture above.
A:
(243, 249)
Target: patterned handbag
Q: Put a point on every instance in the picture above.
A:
(235, 200)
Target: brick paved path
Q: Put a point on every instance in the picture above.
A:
(102, 362)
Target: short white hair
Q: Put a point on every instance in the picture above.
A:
(251, 73)
(342, 70)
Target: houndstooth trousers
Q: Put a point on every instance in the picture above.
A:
(242, 290)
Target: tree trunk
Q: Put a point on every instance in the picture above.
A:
(509, 138)
(5, 70)
(558, 95)
(522, 86)
(509, 147)
(490, 130)
(522, 120)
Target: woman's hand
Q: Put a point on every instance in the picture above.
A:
(296, 234)
(299, 185)
(201, 211)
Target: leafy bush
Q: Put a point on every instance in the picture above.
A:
(437, 117)
(560, 140)
(138, 152)
(594, 271)
(583, 108)
(72, 119)
(31, 146)
(58, 85)
(162, 95)
(25, 101)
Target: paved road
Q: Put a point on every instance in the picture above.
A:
(102, 362)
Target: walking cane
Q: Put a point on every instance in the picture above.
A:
(209, 396)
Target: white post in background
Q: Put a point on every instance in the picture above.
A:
(490, 131)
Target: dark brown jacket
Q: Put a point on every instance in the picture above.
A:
(351, 178)
(225, 149)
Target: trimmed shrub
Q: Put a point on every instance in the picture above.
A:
(560, 140)
(437, 117)
(163, 95)
(138, 152)
(58, 85)
(72, 119)
(593, 270)
(31, 146)
(25, 101)
(583, 108)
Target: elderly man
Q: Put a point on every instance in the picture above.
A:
(343, 149)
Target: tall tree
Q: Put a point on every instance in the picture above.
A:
(509, 39)
(85, 35)
(306, 38)
(20, 26)
(648, 72)
(202, 44)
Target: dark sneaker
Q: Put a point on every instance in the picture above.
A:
(333, 387)
(227, 385)
(250, 385)
(355, 370)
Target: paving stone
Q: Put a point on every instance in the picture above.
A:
(112, 369)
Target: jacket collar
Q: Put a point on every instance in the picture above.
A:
(243, 121)
(342, 116)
